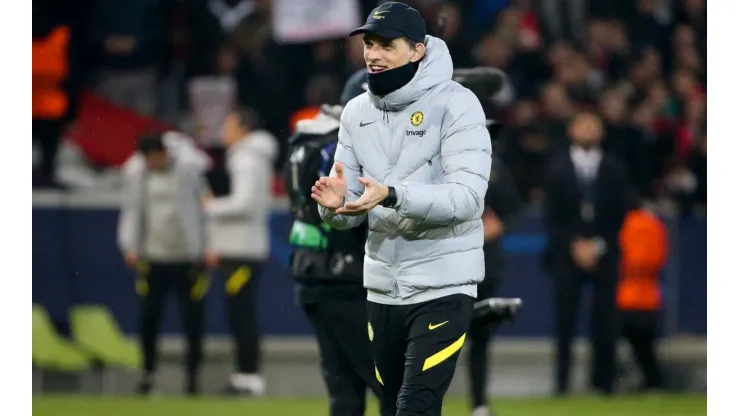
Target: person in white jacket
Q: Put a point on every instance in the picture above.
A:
(238, 243)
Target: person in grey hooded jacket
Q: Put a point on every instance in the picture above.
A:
(414, 157)
(160, 232)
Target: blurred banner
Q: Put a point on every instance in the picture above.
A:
(309, 21)
(75, 260)
(212, 98)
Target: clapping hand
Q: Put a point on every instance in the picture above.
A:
(374, 194)
(329, 192)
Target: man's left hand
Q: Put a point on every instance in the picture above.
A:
(374, 194)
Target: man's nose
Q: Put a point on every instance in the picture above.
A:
(372, 54)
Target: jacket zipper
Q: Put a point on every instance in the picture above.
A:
(394, 267)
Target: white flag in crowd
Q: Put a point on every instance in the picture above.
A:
(311, 20)
(211, 100)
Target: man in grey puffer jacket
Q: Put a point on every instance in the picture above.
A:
(414, 155)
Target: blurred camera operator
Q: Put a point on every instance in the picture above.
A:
(327, 264)
(502, 204)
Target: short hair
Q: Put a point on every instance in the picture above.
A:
(587, 113)
(150, 143)
(248, 118)
(410, 42)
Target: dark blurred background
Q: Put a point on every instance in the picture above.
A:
(641, 64)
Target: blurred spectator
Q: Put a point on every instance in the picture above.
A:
(244, 27)
(528, 151)
(680, 184)
(58, 72)
(50, 100)
(502, 207)
(608, 48)
(557, 109)
(481, 12)
(586, 202)
(694, 13)
(694, 117)
(623, 140)
(456, 38)
(649, 24)
(493, 52)
(565, 20)
(212, 25)
(129, 45)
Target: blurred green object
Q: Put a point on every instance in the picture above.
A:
(96, 331)
(51, 351)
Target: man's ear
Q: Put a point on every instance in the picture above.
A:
(419, 51)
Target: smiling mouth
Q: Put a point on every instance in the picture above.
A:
(374, 69)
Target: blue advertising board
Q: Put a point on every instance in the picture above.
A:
(76, 261)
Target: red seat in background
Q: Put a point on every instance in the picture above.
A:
(107, 133)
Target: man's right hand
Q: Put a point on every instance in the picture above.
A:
(131, 258)
(211, 259)
(329, 192)
(584, 254)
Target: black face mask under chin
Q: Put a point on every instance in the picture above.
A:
(384, 83)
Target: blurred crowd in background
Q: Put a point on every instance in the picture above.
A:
(121, 67)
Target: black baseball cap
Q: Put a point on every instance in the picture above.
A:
(394, 20)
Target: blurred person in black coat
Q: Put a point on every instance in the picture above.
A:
(327, 264)
(502, 207)
(623, 140)
(586, 202)
(502, 204)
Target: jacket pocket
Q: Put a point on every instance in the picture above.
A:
(435, 170)
(377, 277)
(428, 172)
